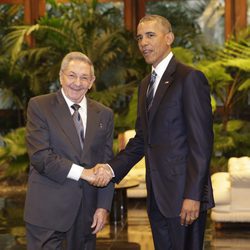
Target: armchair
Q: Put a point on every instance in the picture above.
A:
(231, 192)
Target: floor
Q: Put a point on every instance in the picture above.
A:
(134, 234)
(137, 232)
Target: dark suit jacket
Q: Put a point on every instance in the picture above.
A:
(52, 199)
(176, 140)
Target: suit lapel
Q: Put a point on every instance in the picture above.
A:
(165, 82)
(65, 121)
(142, 98)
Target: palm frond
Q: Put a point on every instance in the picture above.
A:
(13, 41)
(184, 55)
(110, 95)
(245, 85)
(237, 49)
(13, 154)
(215, 73)
(240, 63)
(235, 125)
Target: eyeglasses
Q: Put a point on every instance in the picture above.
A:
(73, 77)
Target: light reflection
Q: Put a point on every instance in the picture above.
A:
(135, 231)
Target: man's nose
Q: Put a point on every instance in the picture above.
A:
(78, 81)
(143, 41)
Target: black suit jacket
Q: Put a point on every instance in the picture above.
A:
(52, 199)
(176, 139)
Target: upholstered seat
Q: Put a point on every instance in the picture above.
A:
(232, 192)
(138, 172)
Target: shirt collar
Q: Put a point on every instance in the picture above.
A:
(70, 103)
(161, 67)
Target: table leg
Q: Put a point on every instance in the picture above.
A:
(119, 206)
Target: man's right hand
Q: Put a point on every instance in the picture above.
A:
(88, 175)
(98, 176)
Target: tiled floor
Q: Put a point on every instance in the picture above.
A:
(134, 234)
(137, 230)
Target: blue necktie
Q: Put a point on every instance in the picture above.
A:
(150, 93)
(78, 123)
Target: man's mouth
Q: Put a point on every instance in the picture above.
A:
(146, 52)
(75, 88)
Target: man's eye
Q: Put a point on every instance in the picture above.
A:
(72, 76)
(83, 78)
(138, 38)
(150, 35)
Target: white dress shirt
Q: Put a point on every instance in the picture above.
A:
(76, 170)
(160, 69)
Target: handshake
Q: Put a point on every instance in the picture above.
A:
(100, 175)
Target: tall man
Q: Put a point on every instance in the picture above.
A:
(174, 132)
(66, 133)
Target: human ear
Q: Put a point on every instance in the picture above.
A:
(91, 82)
(169, 38)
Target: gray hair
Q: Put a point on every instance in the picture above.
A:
(79, 56)
(160, 19)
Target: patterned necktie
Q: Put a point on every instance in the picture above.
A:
(78, 123)
(150, 93)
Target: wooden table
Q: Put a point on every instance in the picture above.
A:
(119, 205)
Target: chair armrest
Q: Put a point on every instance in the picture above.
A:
(222, 188)
(239, 170)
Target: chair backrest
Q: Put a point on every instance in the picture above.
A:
(124, 137)
(239, 170)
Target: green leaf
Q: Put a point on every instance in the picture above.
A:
(184, 55)
(245, 85)
(241, 63)
(235, 125)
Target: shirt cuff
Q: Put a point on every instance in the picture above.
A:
(75, 172)
(111, 169)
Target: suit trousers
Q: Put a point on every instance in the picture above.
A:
(39, 238)
(169, 234)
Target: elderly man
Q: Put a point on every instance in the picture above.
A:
(66, 133)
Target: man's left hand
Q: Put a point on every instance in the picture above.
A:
(99, 220)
